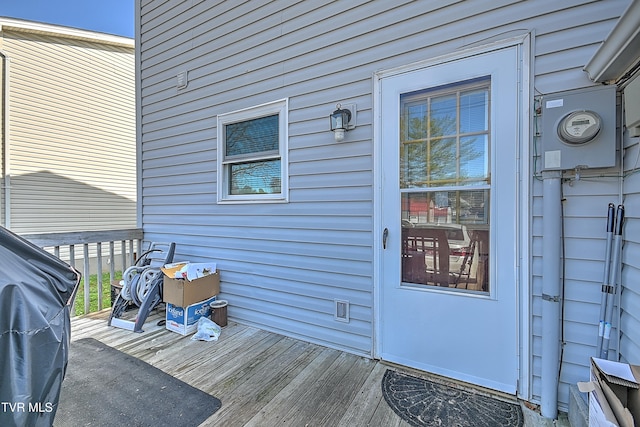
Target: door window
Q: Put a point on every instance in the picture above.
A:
(445, 184)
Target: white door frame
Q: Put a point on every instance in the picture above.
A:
(523, 247)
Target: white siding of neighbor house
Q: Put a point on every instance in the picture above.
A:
(284, 264)
(71, 133)
(2, 149)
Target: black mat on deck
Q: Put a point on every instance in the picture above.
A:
(424, 403)
(106, 387)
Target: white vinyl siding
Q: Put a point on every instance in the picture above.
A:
(283, 265)
(630, 301)
(71, 133)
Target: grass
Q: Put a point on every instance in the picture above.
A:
(93, 293)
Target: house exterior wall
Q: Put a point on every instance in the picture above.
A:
(630, 293)
(70, 134)
(284, 264)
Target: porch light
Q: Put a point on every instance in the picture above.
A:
(340, 119)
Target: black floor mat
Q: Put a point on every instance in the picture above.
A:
(425, 403)
(106, 387)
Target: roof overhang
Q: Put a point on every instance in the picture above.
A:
(619, 54)
(19, 25)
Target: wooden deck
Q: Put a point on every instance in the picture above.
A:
(262, 378)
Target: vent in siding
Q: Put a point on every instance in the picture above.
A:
(183, 80)
(341, 313)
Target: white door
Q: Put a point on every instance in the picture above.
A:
(448, 298)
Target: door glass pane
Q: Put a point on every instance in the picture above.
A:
(443, 160)
(474, 159)
(473, 111)
(442, 119)
(445, 187)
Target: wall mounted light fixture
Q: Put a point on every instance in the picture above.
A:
(342, 120)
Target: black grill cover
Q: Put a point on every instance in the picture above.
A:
(36, 293)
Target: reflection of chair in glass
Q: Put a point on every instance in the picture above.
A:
(142, 286)
(425, 256)
(463, 276)
(482, 275)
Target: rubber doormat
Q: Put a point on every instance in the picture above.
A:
(424, 403)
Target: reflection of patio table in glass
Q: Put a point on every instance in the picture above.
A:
(425, 256)
(444, 255)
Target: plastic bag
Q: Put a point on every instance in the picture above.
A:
(208, 330)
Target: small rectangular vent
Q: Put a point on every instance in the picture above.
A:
(341, 313)
(183, 79)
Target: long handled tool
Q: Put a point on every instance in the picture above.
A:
(605, 280)
(611, 290)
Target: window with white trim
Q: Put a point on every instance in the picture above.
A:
(252, 154)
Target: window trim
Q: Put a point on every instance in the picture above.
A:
(280, 107)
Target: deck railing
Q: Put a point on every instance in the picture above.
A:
(113, 250)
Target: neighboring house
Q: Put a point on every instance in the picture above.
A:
(455, 107)
(68, 136)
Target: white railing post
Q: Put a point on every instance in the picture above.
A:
(99, 274)
(86, 272)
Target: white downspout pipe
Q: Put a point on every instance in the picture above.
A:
(551, 286)
(6, 165)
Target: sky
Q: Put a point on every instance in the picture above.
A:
(105, 16)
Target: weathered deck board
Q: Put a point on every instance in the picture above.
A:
(262, 378)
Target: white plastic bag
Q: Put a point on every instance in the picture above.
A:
(208, 330)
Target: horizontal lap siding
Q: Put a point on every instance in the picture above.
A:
(71, 134)
(284, 264)
(630, 300)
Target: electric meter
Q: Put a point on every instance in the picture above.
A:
(579, 127)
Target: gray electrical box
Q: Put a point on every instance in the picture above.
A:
(579, 129)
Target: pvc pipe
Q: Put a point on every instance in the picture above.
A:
(551, 286)
(615, 261)
(611, 212)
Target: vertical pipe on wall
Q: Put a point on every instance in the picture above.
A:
(551, 295)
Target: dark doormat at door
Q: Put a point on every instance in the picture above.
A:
(106, 387)
(425, 403)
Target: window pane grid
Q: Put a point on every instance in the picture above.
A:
(444, 138)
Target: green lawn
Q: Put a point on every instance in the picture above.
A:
(93, 293)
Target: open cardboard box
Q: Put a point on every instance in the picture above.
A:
(184, 292)
(614, 394)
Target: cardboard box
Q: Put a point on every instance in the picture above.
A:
(185, 320)
(183, 292)
(614, 394)
(189, 270)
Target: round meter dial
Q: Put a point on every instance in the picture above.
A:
(579, 127)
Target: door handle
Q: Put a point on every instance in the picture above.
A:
(385, 235)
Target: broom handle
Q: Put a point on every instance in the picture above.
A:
(611, 211)
(615, 261)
